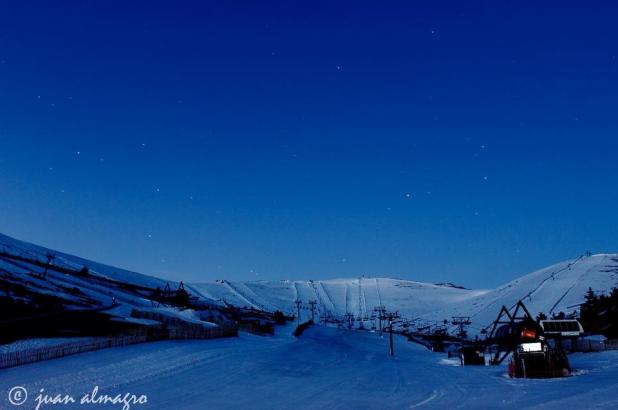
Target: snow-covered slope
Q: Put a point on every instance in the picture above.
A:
(558, 288)
(31, 251)
(38, 282)
(326, 368)
(102, 287)
(337, 297)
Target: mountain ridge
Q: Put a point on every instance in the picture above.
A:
(557, 288)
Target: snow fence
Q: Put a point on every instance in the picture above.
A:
(171, 328)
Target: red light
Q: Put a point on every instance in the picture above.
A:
(528, 333)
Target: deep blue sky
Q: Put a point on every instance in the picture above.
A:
(456, 141)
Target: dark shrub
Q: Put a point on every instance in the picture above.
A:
(279, 317)
(302, 327)
(84, 271)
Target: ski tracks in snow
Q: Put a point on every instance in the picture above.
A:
(434, 395)
(551, 276)
(329, 298)
(575, 282)
(347, 298)
(378, 292)
(240, 295)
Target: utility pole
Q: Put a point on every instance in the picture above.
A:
(405, 325)
(298, 304)
(50, 257)
(390, 318)
(360, 303)
(421, 327)
(380, 312)
(462, 322)
(348, 317)
(312, 304)
(325, 317)
(390, 331)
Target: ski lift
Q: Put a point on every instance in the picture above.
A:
(518, 333)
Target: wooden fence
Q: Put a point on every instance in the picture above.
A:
(171, 328)
(589, 345)
(37, 354)
(611, 344)
(176, 328)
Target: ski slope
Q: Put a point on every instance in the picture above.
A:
(326, 368)
(23, 277)
(17, 247)
(557, 288)
(339, 296)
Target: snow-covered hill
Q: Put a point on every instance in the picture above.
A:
(557, 288)
(31, 251)
(337, 297)
(560, 287)
(40, 286)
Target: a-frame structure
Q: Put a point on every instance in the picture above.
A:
(520, 314)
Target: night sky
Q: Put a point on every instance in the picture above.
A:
(469, 142)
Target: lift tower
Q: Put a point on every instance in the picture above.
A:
(462, 322)
(312, 304)
(298, 304)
